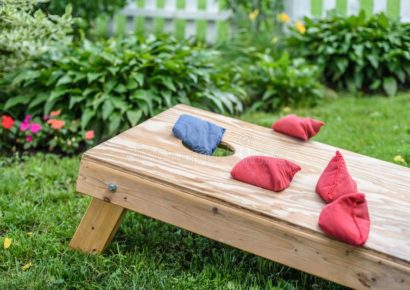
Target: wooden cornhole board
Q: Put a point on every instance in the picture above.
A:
(157, 176)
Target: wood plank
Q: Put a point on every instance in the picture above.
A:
(273, 239)
(98, 226)
(152, 152)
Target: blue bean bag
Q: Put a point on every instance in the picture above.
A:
(198, 135)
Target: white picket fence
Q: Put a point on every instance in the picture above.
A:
(297, 9)
(190, 14)
(212, 18)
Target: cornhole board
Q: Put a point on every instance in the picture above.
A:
(147, 170)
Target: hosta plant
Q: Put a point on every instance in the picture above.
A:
(111, 85)
(358, 53)
(276, 82)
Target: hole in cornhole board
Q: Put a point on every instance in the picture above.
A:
(223, 150)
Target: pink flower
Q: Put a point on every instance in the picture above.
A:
(26, 123)
(35, 128)
(29, 138)
(89, 135)
(46, 117)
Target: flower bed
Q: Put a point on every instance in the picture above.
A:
(52, 133)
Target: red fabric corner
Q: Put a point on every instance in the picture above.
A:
(266, 172)
(302, 128)
(335, 180)
(347, 219)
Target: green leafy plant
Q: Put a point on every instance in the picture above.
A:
(114, 84)
(257, 15)
(87, 10)
(26, 32)
(257, 24)
(358, 53)
(276, 82)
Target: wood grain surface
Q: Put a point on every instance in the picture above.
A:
(263, 236)
(150, 152)
(98, 226)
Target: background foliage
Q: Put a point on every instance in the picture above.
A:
(358, 53)
(108, 85)
(113, 84)
(84, 9)
(257, 15)
(26, 32)
(276, 82)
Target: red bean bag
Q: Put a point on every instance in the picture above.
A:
(335, 180)
(302, 128)
(266, 172)
(347, 219)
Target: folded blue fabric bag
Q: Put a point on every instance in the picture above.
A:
(199, 135)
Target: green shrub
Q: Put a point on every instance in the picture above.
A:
(88, 10)
(114, 84)
(257, 16)
(358, 53)
(26, 32)
(273, 83)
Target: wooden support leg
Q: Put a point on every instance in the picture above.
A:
(98, 226)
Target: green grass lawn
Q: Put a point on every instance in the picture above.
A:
(40, 210)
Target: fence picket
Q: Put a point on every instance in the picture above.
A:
(405, 11)
(169, 25)
(212, 31)
(353, 7)
(191, 7)
(379, 6)
(130, 21)
(328, 5)
(301, 9)
(211, 26)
